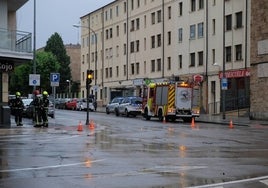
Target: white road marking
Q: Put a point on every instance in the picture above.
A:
(233, 182)
(264, 181)
(50, 167)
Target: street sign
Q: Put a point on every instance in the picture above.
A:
(34, 79)
(54, 79)
(224, 84)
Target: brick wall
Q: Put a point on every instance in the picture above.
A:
(259, 60)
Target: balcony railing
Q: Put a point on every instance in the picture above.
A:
(16, 41)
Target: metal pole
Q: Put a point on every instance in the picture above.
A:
(34, 43)
(96, 56)
(223, 64)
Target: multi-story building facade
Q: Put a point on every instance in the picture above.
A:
(15, 48)
(259, 60)
(140, 41)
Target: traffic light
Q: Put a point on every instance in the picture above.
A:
(89, 77)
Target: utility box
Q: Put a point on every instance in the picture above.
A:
(5, 116)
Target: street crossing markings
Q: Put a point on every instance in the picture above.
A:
(264, 181)
(50, 167)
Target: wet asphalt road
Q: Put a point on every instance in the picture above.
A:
(132, 152)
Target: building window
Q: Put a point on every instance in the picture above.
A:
(159, 16)
(169, 63)
(117, 10)
(145, 21)
(180, 61)
(200, 30)
(152, 41)
(153, 65)
(192, 59)
(169, 38)
(200, 58)
(153, 18)
(111, 72)
(228, 23)
(117, 30)
(125, 28)
(125, 49)
(180, 34)
(228, 54)
(137, 68)
(125, 7)
(137, 45)
(132, 27)
(111, 13)
(144, 43)
(117, 51)
(192, 31)
(213, 56)
(238, 52)
(144, 67)
(132, 47)
(132, 4)
(201, 4)
(239, 20)
(106, 72)
(111, 32)
(125, 70)
(158, 40)
(180, 9)
(132, 69)
(158, 64)
(213, 26)
(137, 24)
(193, 4)
(169, 12)
(117, 71)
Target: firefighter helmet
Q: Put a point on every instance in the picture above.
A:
(17, 93)
(36, 92)
(45, 93)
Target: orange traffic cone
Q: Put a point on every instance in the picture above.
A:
(91, 125)
(80, 127)
(231, 126)
(192, 124)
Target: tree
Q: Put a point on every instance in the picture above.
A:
(46, 63)
(55, 46)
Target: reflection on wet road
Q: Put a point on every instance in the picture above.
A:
(132, 152)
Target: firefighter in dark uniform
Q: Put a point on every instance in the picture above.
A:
(44, 108)
(18, 106)
(37, 102)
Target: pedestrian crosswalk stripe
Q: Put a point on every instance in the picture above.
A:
(264, 181)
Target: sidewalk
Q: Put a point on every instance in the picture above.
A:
(217, 119)
(204, 118)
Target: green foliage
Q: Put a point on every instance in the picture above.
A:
(55, 45)
(46, 63)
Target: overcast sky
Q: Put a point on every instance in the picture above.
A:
(56, 16)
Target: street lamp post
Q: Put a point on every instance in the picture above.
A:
(223, 80)
(69, 88)
(95, 58)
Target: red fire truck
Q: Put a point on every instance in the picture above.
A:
(171, 100)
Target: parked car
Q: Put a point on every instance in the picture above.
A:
(129, 106)
(113, 104)
(71, 104)
(61, 103)
(26, 104)
(82, 104)
(30, 110)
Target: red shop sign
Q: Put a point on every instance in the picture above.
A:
(235, 74)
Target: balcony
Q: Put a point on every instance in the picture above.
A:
(15, 45)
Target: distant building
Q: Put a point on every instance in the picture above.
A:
(74, 51)
(162, 40)
(15, 49)
(259, 60)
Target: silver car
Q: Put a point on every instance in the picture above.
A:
(113, 104)
(129, 106)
